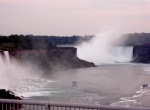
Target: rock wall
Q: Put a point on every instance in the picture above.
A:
(23, 54)
(52, 59)
(141, 54)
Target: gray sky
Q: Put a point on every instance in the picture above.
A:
(73, 17)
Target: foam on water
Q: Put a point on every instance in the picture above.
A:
(141, 96)
(134, 100)
(19, 78)
(37, 92)
(29, 86)
(147, 68)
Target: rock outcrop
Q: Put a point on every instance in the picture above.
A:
(7, 94)
(141, 54)
(52, 59)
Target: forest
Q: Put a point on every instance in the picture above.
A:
(28, 42)
(136, 39)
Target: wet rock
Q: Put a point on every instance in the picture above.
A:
(8, 94)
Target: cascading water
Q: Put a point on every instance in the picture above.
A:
(122, 54)
(17, 77)
(4, 71)
(6, 55)
(101, 50)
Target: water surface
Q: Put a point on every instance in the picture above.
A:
(104, 85)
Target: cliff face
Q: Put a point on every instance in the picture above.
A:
(52, 59)
(141, 54)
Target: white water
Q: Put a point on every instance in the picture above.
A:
(101, 49)
(95, 85)
(19, 78)
(122, 54)
(6, 55)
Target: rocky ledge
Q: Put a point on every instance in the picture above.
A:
(52, 59)
(141, 53)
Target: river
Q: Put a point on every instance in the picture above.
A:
(116, 84)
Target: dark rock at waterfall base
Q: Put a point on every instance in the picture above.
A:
(7, 94)
(141, 53)
(142, 59)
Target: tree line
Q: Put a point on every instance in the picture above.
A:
(136, 39)
(27, 42)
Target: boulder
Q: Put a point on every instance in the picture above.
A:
(8, 94)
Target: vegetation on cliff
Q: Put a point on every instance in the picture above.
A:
(136, 39)
(28, 42)
(21, 42)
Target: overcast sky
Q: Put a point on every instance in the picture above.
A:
(73, 17)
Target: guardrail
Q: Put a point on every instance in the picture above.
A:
(9, 104)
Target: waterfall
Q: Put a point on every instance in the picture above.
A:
(5, 70)
(7, 58)
(122, 54)
(19, 77)
(4, 58)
